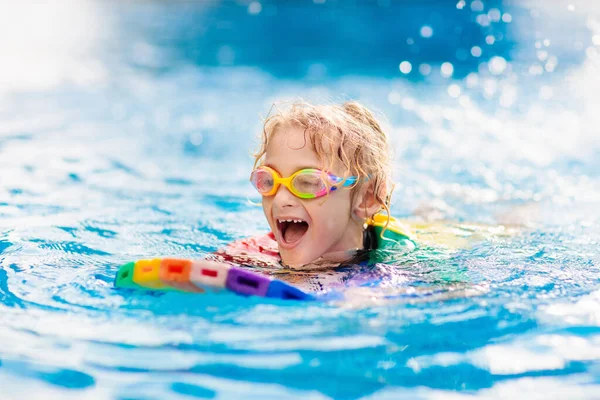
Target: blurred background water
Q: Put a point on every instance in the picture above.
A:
(125, 133)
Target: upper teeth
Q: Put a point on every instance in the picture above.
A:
(290, 220)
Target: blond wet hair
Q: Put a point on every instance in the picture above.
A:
(348, 132)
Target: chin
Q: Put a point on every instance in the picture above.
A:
(291, 259)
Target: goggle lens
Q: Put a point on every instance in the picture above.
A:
(262, 180)
(309, 183)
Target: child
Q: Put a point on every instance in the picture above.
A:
(324, 176)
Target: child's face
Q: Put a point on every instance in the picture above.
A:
(328, 225)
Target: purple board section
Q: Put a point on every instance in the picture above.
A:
(248, 283)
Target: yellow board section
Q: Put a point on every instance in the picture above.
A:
(147, 274)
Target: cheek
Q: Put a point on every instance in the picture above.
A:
(332, 214)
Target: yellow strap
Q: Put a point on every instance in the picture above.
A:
(394, 225)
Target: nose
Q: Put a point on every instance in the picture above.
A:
(284, 198)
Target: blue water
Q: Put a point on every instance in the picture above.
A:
(125, 132)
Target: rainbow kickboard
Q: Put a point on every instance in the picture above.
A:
(171, 274)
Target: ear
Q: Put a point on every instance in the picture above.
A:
(365, 203)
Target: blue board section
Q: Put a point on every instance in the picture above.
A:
(282, 290)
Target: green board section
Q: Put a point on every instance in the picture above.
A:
(124, 278)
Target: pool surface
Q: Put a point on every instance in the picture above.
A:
(125, 133)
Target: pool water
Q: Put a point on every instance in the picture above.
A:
(125, 133)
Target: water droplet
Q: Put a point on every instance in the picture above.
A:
(454, 90)
(405, 67)
(494, 14)
(424, 69)
(490, 86)
(483, 20)
(426, 31)
(447, 69)
(464, 101)
(461, 4)
(196, 138)
(547, 42)
(472, 80)
(497, 65)
(506, 18)
(542, 55)
(551, 64)
(490, 39)
(476, 51)
(254, 8)
(477, 6)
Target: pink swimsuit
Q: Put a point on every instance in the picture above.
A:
(258, 251)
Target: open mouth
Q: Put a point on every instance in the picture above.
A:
(292, 230)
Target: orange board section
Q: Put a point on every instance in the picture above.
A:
(176, 272)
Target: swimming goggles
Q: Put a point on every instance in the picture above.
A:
(306, 184)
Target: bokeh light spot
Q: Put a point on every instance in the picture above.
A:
(476, 51)
(254, 8)
(405, 67)
(426, 31)
(447, 69)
